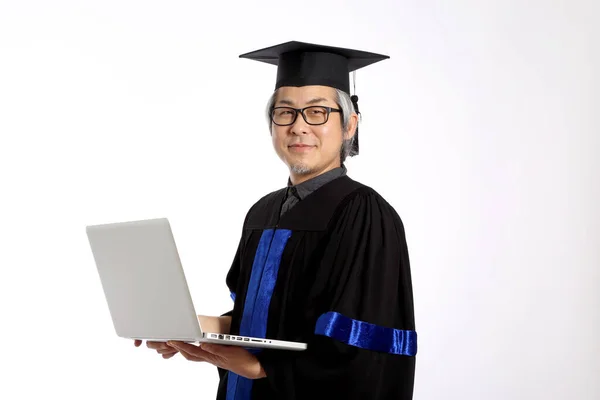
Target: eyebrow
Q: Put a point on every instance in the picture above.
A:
(310, 102)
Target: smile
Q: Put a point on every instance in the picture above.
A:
(300, 148)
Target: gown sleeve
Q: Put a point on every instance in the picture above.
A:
(231, 282)
(364, 340)
(232, 276)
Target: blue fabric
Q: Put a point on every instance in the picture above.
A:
(366, 335)
(258, 326)
(258, 299)
(232, 296)
(238, 387)
(258, 266)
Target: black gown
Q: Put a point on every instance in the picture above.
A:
(332, 272)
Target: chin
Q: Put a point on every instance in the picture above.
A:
(300, 169)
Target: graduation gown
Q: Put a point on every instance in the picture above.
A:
(332, 272)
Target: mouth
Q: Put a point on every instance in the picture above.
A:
(300, 148)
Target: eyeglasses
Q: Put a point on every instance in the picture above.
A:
(313, 115)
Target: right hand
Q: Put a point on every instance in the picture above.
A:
(160, 347)
(209, 324)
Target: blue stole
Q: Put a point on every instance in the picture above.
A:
(258, 298)
(366, 335)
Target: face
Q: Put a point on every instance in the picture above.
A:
(309, 150)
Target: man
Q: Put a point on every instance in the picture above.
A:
(323, 261)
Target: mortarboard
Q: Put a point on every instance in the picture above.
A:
(303, 64)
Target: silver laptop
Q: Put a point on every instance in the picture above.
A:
(146, 289)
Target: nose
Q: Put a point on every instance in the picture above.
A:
(299, 127)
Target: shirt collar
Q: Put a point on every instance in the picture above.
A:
(305, 188)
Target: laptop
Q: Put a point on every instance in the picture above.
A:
(146, 289)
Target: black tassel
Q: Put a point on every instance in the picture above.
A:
(354, 149)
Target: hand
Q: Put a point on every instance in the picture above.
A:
(208, 323)
(232, 358)
(160, 347)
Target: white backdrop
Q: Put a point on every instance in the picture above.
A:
(481, 130)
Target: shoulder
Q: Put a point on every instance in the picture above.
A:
(365, 194)
(265, 204)
(366, 202)
(268, 198)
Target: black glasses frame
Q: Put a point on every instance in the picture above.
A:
(301, 111)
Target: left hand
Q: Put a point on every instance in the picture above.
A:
(232, 358)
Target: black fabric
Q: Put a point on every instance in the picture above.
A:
(290, 200)
(302, 64)
(296, 193)
(347, 254)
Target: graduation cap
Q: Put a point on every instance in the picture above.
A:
(303, 64)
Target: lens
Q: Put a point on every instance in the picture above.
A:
(315, 115)
(283, 115)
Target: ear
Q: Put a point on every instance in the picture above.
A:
(352, 125)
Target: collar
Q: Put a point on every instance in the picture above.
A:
(305, 188)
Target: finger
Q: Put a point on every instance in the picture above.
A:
(167, 356)
(195, 353)
(167, 351)
(188, 348)
(213, 354)
(137, 343)
(220, 352)
(190, 357)
(215, 349)
(157, 345)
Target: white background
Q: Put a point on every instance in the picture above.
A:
(482, 130)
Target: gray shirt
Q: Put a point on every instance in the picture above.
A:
(299, 192)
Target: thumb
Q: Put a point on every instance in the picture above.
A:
(208, 347)
(213, 348)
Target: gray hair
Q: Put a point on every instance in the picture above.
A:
(344, 102)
